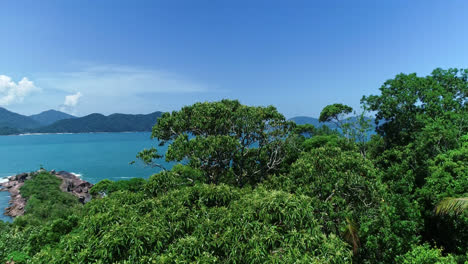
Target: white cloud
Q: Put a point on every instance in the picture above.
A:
(11, 92)
(115, 88)
(69, 105)
(115, 80)
(72, 100)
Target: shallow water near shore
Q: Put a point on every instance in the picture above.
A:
(93, 156)
(4, 199)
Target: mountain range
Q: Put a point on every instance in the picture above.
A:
(51, 116)
(16, 121)
(302, 120)
(53, 121)
(102, 123)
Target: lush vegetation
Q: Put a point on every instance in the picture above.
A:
(253, 187)
(50, 213)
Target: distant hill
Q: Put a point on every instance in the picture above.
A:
(51, 116)
(16, 121)
(8, 131)
(302, 120)
(53, 121)
(102, 123)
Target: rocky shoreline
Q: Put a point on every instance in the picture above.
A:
(70, 183)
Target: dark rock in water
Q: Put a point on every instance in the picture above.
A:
(65, 174)
(21, 177)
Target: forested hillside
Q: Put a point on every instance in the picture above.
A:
(57, 122)
(50, 116)
(257, 188)
(16, 121)
(8, 131)
(102, 123)
(303, 120)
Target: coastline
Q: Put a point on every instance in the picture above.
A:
(79, 153)
(71, 183)
(73, 133)
(7, 178)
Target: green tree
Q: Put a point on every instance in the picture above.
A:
(432, 108)
(335, 113)
(421, 121)
(106, 187)
(199, 223)
(349, 200)
(229, 141)
(424, 254)
(444, 190)
(355, 129)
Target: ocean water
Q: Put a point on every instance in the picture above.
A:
(4, 199)
(93, 156)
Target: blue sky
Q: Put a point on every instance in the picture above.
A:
(144, 56)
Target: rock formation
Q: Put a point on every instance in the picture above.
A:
(70, 183)
(74, 185)
(17, 202)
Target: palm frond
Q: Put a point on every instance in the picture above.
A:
(451, 205)
(351, 235)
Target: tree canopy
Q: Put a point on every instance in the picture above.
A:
(335, 113)
(250, 186)
(229, 141)
(433, 107)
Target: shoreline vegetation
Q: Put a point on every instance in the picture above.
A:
(255, 187)
(69, 182)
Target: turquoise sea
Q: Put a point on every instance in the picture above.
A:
(93, 156)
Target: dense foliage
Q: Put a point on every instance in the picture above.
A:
(252, 187)
(230, 142)
(50, 213)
